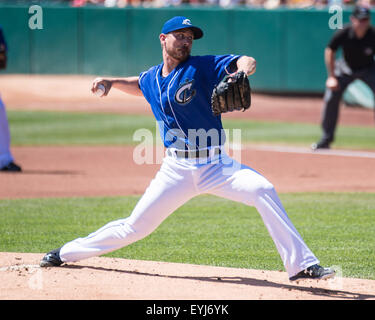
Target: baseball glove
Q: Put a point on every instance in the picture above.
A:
(232, 93)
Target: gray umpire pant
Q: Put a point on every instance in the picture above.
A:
(332, 98)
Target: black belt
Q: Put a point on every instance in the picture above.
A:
(196, 153)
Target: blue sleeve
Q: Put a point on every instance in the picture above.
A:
(3, 45)
(224, 66)
(141, 79)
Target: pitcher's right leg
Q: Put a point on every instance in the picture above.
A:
(168, 191)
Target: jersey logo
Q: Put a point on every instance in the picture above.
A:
(184, 94)
(368, 51)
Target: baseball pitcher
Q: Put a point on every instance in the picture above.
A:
(188, 94)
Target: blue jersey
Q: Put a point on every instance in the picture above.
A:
(181, 102)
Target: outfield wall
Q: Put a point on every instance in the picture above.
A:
(287, 44)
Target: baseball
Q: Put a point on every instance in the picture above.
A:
(100, 90)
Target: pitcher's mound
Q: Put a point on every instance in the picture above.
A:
(114, 278)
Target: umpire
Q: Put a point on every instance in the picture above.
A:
(357, 41)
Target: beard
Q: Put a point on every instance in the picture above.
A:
(180, 54)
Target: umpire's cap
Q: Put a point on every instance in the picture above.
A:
(361, 12)
(178, 23)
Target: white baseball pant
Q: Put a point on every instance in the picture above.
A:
(179, 180)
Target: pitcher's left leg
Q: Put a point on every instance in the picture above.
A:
(170, 189)
(248, 186)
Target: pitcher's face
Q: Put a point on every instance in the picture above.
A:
(178, 44)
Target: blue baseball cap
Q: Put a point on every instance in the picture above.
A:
(178, 23)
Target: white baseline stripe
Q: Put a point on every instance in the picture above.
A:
(325, 152)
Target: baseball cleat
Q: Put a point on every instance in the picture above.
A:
(51, 259)
(11, 167)
(314, 272)
(320, 145)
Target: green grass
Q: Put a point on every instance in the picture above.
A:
(338, 227)
(66, 128)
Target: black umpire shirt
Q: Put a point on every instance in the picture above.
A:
(358, 53)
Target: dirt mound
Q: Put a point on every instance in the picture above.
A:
(114, 278)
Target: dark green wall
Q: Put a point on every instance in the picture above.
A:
(287, 44)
